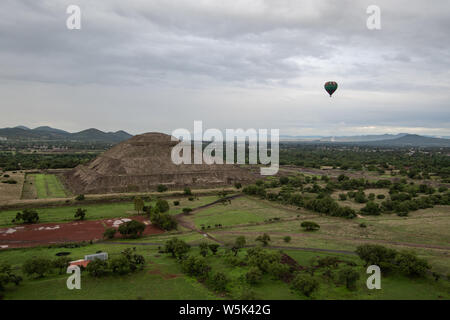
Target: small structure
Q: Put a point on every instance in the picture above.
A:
(80, 263)
(101, 256)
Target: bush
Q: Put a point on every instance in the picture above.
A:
(360, 197)
(363, 225)
(349, 277)
(410, 265)
(176, 203)
(27, 216)
(178, 248)
(219, 282)
(310, 226)
(7, 276)
(213, 247)
(187, 191)
(162, 205)
(191, 199)
(132, 229)
(253, 276)
(342, 196)
(109, 233)
(238, 185)
(38, 266)
(98, 268)
(203, 246)
(80, 197)
(10, 181)
(381, 196)
(196, 267)
(164, 221)
(80, 214)
(161, 188)
(287, 239)
(264, 239)
(304, 284)
(371, 208)
(187, 210)
(120, 265)
(61, 264)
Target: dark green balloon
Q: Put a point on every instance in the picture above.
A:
(331, 87)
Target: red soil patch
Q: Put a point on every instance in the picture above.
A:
(50, 233)
(166, 276)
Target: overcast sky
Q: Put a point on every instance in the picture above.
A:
(158, 65)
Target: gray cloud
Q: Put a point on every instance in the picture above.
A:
(160, 64)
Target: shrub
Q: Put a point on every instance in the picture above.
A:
(371, 208)
(310, 226)
(253, 276)
(191, 199)
(61, 264)
(161, 188)
(287, 239)
(187, 210)
(162, 205)
(132, 229)
(363, 225)
(213, 247)
(304, 284)
(187, 191)
(80, 214)
(27, 216)
(219, 282)
(178, 248)
(349, 277)
(38, 266)
(278, 270)
(120, 265)
(342, 196)
(80, 197)
(373, 254)
(238, 185)
(381, 196)
(360, 197)
(98, 268)
(176, 203)
(196, 267)
(10, 181)
(410, 265)
(109, 233)
(264, 239)
(7, 276)
(164, 221)
(203, 248)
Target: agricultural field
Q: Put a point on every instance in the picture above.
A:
(48, 186)
(11, 183)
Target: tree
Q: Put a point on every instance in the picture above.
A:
(287, 239)
(371, 208)
(61, 264)
(304, 284)
(162, 205)
(349, 277)
(238, 185)
(203, 248)
(213, 247)
(253, 276)
(410, 265)
(138, 204)
(161, 188)
(80, 214)
(187, 210)
(80, 197)
(109, 233)
(187, 191)
(264, 239)
(196, 267)
(310, 226)
(219, 282)
(7, 276)
(238, 244)
(178, 248)
(27, 216)
(342, 196)
(38, 266)
(98, 268)
(120, 265)
(132, 229)
(176, 203)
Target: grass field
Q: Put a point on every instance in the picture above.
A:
(162, 278)
(48, 186)
(99, 211)
(11, 191)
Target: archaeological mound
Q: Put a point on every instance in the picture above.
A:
(143, 162)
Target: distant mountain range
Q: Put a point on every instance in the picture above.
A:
(394, 140)
(45, 133)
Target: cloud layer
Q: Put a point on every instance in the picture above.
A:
(159, 65)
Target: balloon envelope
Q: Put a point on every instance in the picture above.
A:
(331, 87)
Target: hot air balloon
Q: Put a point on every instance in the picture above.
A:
(331, 87)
